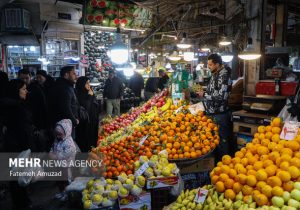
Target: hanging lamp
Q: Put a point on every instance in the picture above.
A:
(119, 51)
(249, 52)
(184, 44)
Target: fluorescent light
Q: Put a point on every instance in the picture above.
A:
(227, 58)
(174, 56)
(183, 44)
(249, 53)
(225, 41)
(32, 48)
(188, 56)
(205, 48)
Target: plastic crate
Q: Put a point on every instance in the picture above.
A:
(268, 88)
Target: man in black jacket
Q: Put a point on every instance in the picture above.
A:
(64, 103)
(113, 92)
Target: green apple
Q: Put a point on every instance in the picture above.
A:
(277, 201)
(295, 194)
(113, 195)
(97, 199)
(297, 185)
(286, 196)
(293, 203)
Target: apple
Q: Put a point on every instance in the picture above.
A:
(288, 208)
(295, 194)
(297, 185)
(286, 196)
(293, 203)
(274, 208)
(277, 201)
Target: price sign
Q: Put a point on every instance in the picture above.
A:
(142, 169)
(143, 140)
(201, 196)
(289, 130)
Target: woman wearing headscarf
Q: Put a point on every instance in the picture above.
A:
(18, 134)
(87, 131)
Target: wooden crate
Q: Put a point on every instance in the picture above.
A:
(244, 128)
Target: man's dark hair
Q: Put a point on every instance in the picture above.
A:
(66, 69)
(24, 71)
(215, 58)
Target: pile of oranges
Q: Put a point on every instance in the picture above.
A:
(266, 167)
(183, 135)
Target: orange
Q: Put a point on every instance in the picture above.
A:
(261, 136)
(294, 145)
(272, 146)
(264, 157)
(249, 167)
(268, 163)
(229, 194)
(288, 186)
(258, 165)
(260, 185)
(287, 151)
(187, 155)
(261, 129)
(277, 191)
(277, 122)
(295, 161)
(251, 180)
(276, 130)
(267, 190)
(247, 190)
(268, 128)
(241, 170)
(232, 173)
(255, 193)
(251, 172)
(274, 181)
(214, 179)
(186, 149)
(261, 175)
(273, 155)
(262, 150)
(220, 187)
(237, 187)
(225, 169)
(284, 165)
(236, 160)
(275, 138)
(269, 135)
(261, 200)
(242, 178)
(217, 170)
(193, 154)
(169, 145)
(265, 142)
(284, 176)
(255, 141)
(244, 161)
(226, 159)
(223, 177)
(294, 172)
(176, 145)
(229, 183)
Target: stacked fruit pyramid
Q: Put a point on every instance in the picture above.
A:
(266, 170)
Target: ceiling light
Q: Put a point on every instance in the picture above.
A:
(183, 44)
(224, 41)
(188, 56)
(119, 51)
(174, 56)
(227, 57)
(249, 53)
(168, 66)
(205, 48)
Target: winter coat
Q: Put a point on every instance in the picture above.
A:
(65, 149)
(152, 85)
(136, 84)
(63, 102)
(163, 82)
(87, 131)
(19, 130)
(113, 88)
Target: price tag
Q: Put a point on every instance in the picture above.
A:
(201, 196)
(289, 130)
(142, 169)
(178, 110)
(143, 140)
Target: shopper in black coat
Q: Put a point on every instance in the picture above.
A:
(36, 100)
(18, 134)
(87, 131)
(136, 84)
(63, 100)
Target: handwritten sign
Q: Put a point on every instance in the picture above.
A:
(289, 130)
(142, 169)
(201, 196)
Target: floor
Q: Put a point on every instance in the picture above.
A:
(41, 194)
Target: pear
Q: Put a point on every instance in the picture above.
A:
(206, 208)
(252, 205)
(185, 202)
(237, 205)
(239, 197)
(212, 206)
(191, 198)
(228, 204)
(187, 193)
(183, 208)
(221, 197)
(209, 200)
(179, 200)
(199, 206)
(215, 197)
(193, 206)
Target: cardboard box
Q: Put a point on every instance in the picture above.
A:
(206, 164)
(161, 182)
(244, 128)
(242, 140)
(143, 201)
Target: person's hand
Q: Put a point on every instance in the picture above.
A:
(91, 92)
(200, 93)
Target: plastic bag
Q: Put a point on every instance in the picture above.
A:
(176, 190)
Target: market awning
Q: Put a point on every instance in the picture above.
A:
(64, 30)
(23, 40)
